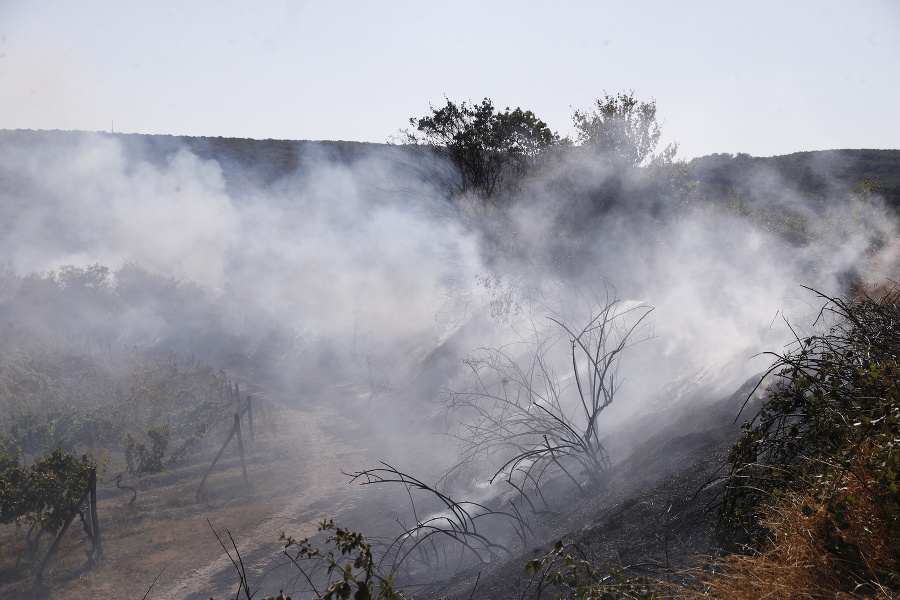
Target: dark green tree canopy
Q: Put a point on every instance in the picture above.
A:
(46, 493)
(491, 150)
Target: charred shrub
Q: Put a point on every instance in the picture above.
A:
(520, 413)
(568, 571)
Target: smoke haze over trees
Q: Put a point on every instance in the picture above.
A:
(363, 278)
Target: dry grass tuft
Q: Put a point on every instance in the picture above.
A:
(812, 552)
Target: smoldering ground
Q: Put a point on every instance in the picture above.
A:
(356, 282)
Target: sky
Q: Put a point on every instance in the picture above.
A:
(761, 77)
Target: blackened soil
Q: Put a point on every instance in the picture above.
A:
(654, 512)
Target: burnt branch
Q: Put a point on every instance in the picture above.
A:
(449, 533)
(528, 419)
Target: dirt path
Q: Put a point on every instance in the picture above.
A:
(323, 492)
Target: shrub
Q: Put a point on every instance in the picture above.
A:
(348, 554)
(814, 477)
(45, 494)
(141, 460)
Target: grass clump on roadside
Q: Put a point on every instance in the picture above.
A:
(812, 501)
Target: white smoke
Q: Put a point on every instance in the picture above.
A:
(364, 249)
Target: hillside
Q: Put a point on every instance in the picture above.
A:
(718, 176)
(818, 174)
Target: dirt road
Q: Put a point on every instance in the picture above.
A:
(323, 493)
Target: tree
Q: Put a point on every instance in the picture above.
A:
(491, 151)
(623, 129)
(616, 168)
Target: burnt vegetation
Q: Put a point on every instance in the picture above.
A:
(518, 412)
(119, 377)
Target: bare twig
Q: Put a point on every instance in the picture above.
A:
(154, 582)
(458, 525)
(243, 584)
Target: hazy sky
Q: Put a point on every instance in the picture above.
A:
(763, 77)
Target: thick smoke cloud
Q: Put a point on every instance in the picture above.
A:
(355, 283)
(725, 278)
(370, 257)
(321, 250)
(84, 203)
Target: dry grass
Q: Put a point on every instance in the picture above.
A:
(808, 556)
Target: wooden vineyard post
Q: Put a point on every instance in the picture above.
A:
(236, 429)
(92, 522)
(95, 519)
(237, 426)
(248, 408)
(215, 460)
(89, 491)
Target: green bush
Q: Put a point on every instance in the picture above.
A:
(348, 554)
(141, 460)
(57, 398)
(45, 494)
